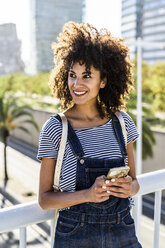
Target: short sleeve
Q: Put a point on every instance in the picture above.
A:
(49, 140)
(132, 133)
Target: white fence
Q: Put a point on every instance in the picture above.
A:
(22, 215)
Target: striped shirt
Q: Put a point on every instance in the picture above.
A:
(97, 142)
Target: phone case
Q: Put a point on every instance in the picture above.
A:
(118, 172)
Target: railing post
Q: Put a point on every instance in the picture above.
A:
(52, 226)
(22, 243)
(137, 215)
(157, 216)
(139, 107)
(138, 202)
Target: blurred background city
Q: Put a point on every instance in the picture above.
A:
(27, 30)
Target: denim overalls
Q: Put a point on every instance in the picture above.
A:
(96, 225)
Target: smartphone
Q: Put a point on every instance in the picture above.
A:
(118, 172)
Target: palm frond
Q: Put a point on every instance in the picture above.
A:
(31, 121)
(24, 129)
(10, 104)
(17, 109)
(148, 137)
(148, 112)
(147, 150)
(1, 109)
(148, 132)
(19, 114)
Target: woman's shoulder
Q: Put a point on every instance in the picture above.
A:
(126, 116)
(131, 129)
(52, 124)
(129, 122)
(50, 138)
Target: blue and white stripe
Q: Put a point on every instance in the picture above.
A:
(97, 142)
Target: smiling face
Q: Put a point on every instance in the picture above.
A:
(84, 86)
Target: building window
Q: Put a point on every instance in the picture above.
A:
(129, 10)
(154, 29)
(155, 21)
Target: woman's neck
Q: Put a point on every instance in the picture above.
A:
(85, 113)
(82, 117)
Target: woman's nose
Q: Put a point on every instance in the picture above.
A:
(77, 82)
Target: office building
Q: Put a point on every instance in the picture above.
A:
(47, 19)
(10, 50)
(145, 19)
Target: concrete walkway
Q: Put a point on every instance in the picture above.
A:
(23, 185)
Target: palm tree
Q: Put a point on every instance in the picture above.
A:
(10, 112)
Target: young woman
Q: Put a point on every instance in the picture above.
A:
(91, 77)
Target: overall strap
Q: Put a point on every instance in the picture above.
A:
(119, 135)
(61, 152)
(73, 140)
(58, 167)
(122, 123)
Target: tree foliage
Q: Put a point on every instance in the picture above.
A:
(157, 86)
(153, 84)
(37, 84)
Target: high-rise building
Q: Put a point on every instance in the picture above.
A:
(47, 20)
(145, 19)
(10, 50)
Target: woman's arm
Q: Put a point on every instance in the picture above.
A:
(131, 163)
(47, 197)
(50, 200)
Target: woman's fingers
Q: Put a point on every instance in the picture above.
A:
(119, 187)
(99, 182)
(97, 194)
(120, 182)
(120, 194)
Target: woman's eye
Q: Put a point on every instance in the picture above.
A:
(71, 75)
(87, 76)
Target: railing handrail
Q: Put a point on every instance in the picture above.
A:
(151, 182)
(22, 215)
(25, 214)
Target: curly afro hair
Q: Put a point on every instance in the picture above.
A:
(83, 43)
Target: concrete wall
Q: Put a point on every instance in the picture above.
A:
(158, 161)
(151, 164)
(40, 117)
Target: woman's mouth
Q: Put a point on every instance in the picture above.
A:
(79, 93)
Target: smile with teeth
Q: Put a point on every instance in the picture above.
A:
(80, 93)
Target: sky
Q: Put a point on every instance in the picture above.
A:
(105, 14)
(100, 13)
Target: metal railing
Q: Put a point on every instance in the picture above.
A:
(22, 215)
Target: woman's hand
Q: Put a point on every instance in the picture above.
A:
(119, 187)
(98, 193)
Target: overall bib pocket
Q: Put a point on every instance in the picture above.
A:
(92, 171)
(91, 175)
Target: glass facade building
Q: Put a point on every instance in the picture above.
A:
(47, 20)
(145, 19)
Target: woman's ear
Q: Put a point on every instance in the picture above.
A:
(103, 83)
